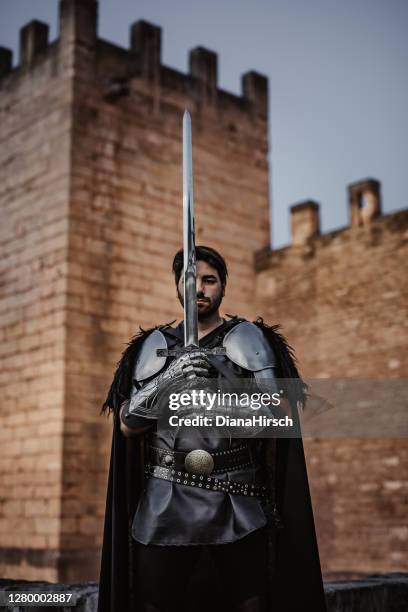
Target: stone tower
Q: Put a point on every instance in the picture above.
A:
(90, 201)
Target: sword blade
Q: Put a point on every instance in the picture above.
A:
(190, 291)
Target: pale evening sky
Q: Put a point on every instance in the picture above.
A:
(338, 82)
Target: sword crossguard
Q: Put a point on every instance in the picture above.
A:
(218, 350)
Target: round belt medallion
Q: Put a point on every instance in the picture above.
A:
(199, 462)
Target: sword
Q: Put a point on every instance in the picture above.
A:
(190, 290)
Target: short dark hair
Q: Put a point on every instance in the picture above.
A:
(203, 253)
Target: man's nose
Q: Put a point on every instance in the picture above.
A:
(199, 286)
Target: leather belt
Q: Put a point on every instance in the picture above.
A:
(208, 482)
(224, 461)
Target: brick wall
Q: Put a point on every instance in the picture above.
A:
(94, 132)
(125, 227)
(35, 123)
(341, 298)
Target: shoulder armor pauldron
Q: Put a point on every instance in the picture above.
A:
(246, 346)
(148, 363)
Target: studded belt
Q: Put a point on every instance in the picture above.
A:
(200, 461)
(199, 481)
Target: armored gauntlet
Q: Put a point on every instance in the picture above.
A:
(144, 400)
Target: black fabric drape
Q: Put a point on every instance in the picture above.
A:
(117, 591)
(115, 583)
(296, 584)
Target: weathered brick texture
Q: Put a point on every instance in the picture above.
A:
(91, 203)
(35, 128)
(125, 226)
(342, 300)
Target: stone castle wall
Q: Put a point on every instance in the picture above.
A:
(121, 210)
(35, 128)
(342, 299)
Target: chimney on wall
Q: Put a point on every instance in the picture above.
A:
(364, 201)
(33, 40)
(305, 222)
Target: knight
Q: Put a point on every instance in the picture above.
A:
(197, 521)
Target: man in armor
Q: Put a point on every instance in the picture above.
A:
(194, 521)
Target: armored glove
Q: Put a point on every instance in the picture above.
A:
(186, 367)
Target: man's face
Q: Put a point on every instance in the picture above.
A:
(209, 290)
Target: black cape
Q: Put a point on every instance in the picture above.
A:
(296, 583)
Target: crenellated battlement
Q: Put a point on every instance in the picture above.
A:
(32, 44)
(118, 68)
(364, 208)
(364, 198)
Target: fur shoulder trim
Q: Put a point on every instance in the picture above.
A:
(286, 361)
(121, 385)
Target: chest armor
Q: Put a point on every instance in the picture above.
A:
(245, 345)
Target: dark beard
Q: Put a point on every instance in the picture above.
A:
(209, 310)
